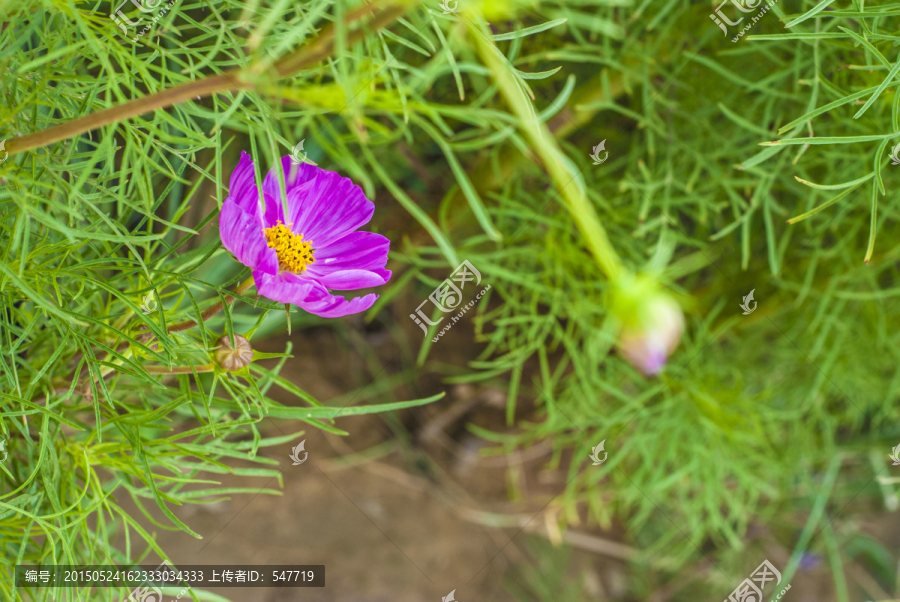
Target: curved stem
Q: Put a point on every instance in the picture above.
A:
(243, 286)
(179, 369)
(223, 82)
(108, 371)
(542, 142)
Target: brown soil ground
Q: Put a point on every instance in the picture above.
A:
(405, 526)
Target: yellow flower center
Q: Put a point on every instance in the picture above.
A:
(294, 254)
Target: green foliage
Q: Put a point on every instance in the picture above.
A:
(103, 401)
(750, 406)
(743, 426)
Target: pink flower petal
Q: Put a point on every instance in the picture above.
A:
(241, 232)
(274, 212)
(351, 280)
(309, 295)
(287, 287)
(327, 206)
(351, 262)
(336, 307)
(242, 187)
(322, 205)
(293, 177)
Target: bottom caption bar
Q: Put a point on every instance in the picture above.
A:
(151, 578)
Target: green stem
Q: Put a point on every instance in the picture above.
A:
(542, 142)
(179, 369)
(107, 370)
(243, 286)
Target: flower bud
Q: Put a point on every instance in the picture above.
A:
(234, 358)
(650, 322)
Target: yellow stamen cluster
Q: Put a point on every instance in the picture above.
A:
(294, 254)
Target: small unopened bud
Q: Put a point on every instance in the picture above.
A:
(651, 323)
(234, 358)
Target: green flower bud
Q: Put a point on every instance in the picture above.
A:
(650, 322)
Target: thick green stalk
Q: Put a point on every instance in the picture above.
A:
(542, 142)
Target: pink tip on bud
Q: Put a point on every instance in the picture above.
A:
(647, 345)
(651, 322)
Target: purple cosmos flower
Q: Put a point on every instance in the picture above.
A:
(297, 257)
